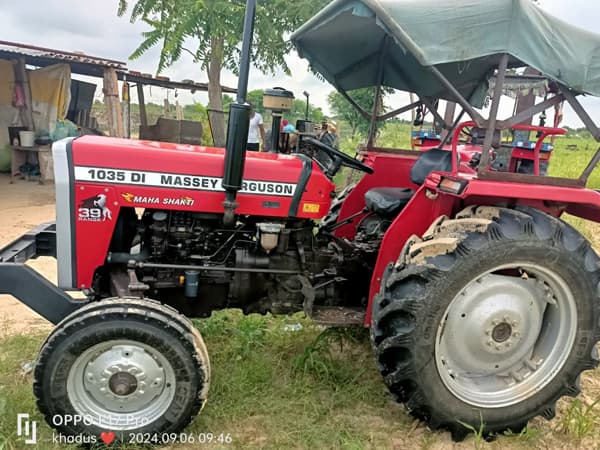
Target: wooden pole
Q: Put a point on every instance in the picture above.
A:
(126, 109)
(111, 101)
(140, 93)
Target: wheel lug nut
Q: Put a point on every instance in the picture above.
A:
(507, 344)
(488, 331)
(516, 334)
(490, 343)
(495, 322)
(497, 347)
(515, 323)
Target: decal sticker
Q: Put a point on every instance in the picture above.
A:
(273, 205)
(311, 207)
(181, 201)
(94, 209)
(132, 198)
(170, 180)
(167, 201)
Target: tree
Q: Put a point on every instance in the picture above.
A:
(342, 108)
(214, 28)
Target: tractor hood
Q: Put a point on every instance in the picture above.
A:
(144, 172)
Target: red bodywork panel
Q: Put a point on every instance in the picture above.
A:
(114, 173)
(429, 202)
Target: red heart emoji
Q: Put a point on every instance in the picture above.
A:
(107, 437)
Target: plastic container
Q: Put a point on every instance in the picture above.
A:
(191, 283)
(27, 138)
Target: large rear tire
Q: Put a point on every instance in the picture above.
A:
(488, 319)
(129, 366)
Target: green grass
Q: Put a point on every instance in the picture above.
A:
(271, 388)
(579, 420)
(274, 389)
(571, 163)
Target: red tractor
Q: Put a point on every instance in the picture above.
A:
(482, 303)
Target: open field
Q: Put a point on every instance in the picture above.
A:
(276, 386)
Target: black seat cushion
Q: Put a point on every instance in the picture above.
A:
(434, 160)
(387, 201)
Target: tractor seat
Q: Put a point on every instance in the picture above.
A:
(387, 202)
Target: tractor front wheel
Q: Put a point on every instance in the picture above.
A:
(129, 366)
(488, 319)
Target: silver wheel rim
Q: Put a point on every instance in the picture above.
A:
(121, 385)
(506, 335)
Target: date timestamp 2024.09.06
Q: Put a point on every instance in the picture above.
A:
(180, 438)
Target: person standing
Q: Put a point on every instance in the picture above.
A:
(256, 131)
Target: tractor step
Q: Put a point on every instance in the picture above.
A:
(338, 316)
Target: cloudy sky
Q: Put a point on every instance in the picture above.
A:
(93, 27)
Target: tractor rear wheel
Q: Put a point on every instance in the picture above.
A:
(129, 366)
(488, 319)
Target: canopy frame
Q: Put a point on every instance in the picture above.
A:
(465, 87)
(562, 93)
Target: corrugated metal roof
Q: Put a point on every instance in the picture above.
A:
(60, 55)
(93, 66)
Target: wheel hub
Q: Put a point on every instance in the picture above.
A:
(128, 382)
(122, 383)
(499, 331)
(502, 332)
(483, 329)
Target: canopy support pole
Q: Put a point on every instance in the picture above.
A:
(399, 111)
(530, 112)
(450, 131)
(458, 96)
(581, 112)
(449, 118)
(491, 124)
(373, 125)
(359, 108)
(432, 108)
(590, 125)
(376, 105)
(590, 167)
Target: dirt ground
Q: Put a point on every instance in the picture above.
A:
(23, 206)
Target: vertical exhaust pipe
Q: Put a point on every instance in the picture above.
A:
(237, 127)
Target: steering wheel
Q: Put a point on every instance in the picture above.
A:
(339, 158)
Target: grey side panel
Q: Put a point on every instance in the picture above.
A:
(64, 208)
(36, 292)
(40, 241)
